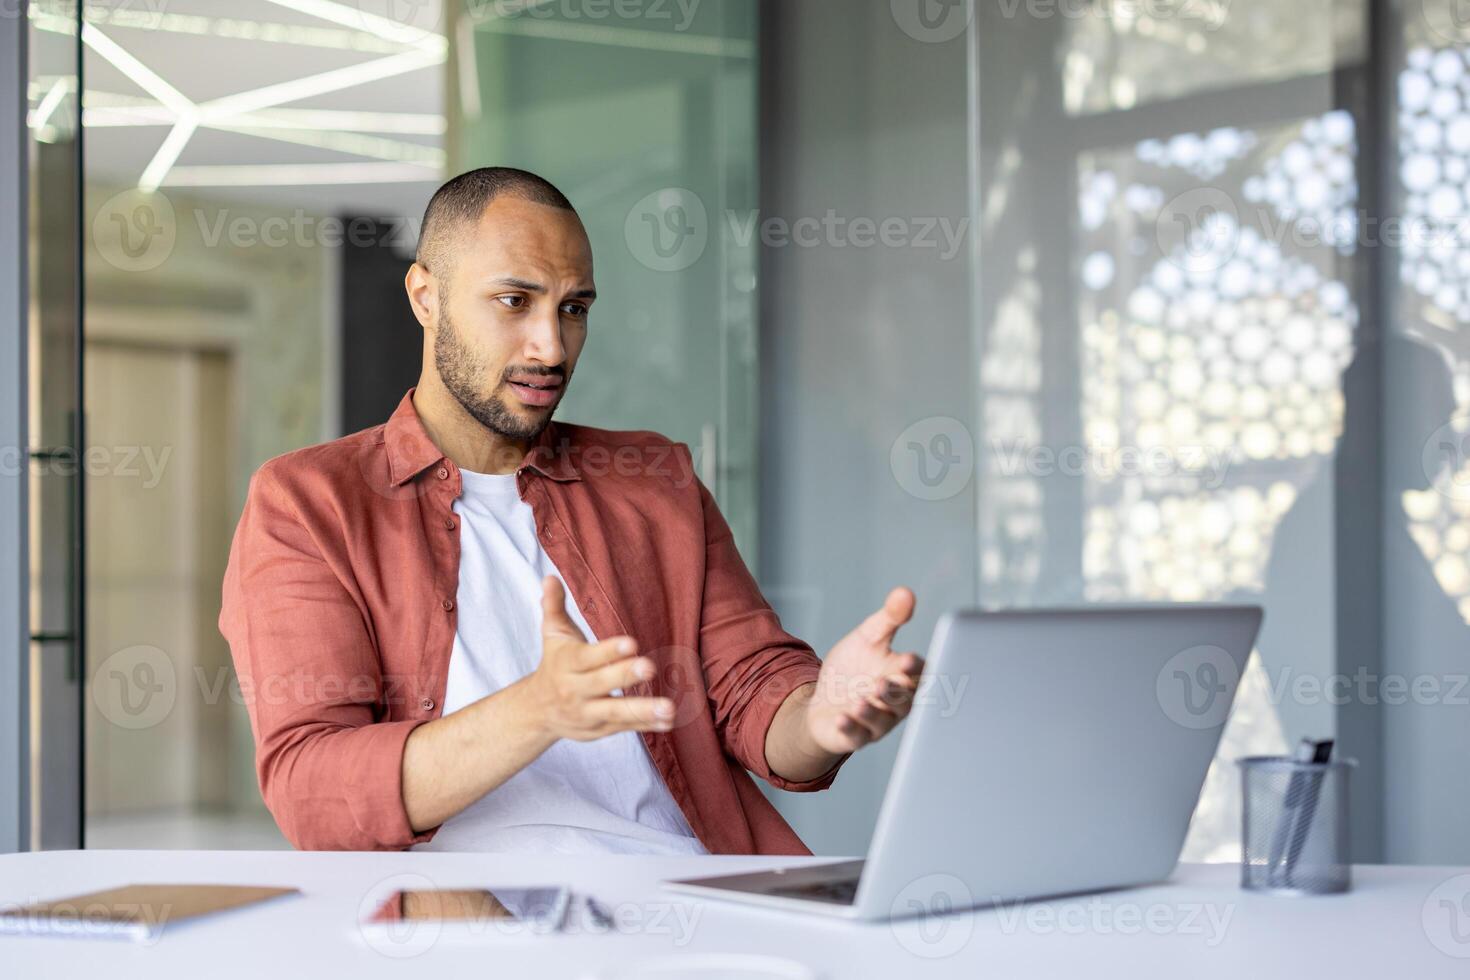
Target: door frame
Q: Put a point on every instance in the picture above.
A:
(15, 646)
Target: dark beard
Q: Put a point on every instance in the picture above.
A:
(462, 373)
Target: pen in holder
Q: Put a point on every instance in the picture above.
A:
(1294, 825)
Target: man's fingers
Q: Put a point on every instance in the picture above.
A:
(850, 729)
(909, 664)
(554, 617)
(875, 720)
(636, 714)
(895, 693)
(596, 656)
(897, 609)
(621, 674)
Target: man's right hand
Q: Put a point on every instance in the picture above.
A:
(452, 761)
(573, 685)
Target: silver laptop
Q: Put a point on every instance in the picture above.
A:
(1063, 752)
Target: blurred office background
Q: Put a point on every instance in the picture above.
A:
(1018, 303)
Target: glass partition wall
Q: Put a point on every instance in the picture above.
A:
(645, 116)
(252, 169)
(242, 160)
(1221, 354)
(1176, 270)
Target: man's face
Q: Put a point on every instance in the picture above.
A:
(511, 314)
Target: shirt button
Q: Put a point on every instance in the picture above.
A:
(591, 605)
(442, 473)
(449, 523)
(448, 605)
(427, 704)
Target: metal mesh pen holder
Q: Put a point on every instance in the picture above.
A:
(1294, 834)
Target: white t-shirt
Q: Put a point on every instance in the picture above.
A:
(603, 796)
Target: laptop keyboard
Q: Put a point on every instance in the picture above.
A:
(840, 892)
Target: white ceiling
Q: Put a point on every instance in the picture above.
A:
(248, 71)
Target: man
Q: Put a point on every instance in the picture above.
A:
(474, 629)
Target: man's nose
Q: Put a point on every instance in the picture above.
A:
(543, 341)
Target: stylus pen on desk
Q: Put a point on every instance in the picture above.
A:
(1300, 806)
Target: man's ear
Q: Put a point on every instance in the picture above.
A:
(423, 295)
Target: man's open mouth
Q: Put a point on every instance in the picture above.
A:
(536, 390)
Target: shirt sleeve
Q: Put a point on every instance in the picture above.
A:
(751, 664)
(330, 771)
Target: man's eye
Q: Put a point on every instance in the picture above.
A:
(513, 301)
(574, 309)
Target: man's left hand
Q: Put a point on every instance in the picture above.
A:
(865, 688)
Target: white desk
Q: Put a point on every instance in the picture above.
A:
(1398, 922)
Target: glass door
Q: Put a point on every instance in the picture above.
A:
(55, 425)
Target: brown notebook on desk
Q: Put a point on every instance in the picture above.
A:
(137, 912)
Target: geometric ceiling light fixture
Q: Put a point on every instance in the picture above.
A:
(106, 110)
(258, 112)
(185, 113)
(296, 174)
(40, 117)
(357, 19)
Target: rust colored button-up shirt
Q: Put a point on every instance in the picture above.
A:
(339, 610)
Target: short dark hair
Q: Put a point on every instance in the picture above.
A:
(466, 197)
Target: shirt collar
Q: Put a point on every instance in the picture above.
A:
(411, 451)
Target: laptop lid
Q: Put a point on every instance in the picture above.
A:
(1053, 751)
